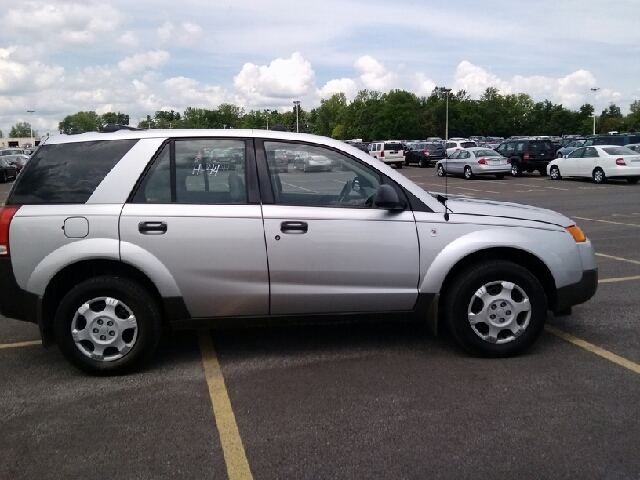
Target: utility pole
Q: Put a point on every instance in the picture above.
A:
(446, 122)
(594, 90)
(267, 110)
(297, 106)
(33, 143)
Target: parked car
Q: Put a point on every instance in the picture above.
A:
(474, 161)
(310, 162)
(278, 161)
(107, 238)
(7, 170)
(569, 147)
(11, 151)
(455, 145)
(599, 163)
(527, 155)
(424, 154)
(615, 139)
(634, 146)
(390, 151)
(19, 161)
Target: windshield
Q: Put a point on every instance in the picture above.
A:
(468, 144)
(619, 151)
(486, 153)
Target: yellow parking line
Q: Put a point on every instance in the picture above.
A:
(612, 357)
(20, 344)
(621, 279)
(636, 262)
(234, 454)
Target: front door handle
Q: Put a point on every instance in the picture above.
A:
(294, 227)
(152, 228)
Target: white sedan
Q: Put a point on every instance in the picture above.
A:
(474, 161)
(598, 162)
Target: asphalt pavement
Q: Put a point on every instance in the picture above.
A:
(383, 400)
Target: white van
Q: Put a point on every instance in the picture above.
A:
(389, 151)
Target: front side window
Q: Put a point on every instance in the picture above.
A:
(590, 153)
(322, 177)
(577, 153)
(520, 147)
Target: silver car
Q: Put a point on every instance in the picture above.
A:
(107, 237)
(474, 161)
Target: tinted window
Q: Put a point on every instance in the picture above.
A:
(577, 153)
(433, 148)
(393, 146)
(67, 173)
(468, 144)
(609, 140)
(540, 146)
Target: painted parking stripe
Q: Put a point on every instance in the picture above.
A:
(621, 279)
(234, 454)
(20, 344)
(636, 262)
(612, 357)
(607, 221)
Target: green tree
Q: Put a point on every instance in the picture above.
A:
(80, 122)
(329, 115)
(112, 117)
(22, 130)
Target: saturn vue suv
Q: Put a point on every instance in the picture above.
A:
(106, 239)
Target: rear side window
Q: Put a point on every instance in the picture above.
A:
(468, 144)
(540, 146)
(67, 173)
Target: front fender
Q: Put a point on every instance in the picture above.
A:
(555, 249)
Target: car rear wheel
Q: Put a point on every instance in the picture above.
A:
(599, 176)
(406, 162)
(398, 164)
(441, 172)
(496, 308)
(107, 325)
(499, 176)
(516, 170)
(468, 174)
(554, 173)
(632, 180)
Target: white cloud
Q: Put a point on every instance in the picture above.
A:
(343, 85)
(129, 39)
(571, 91)
(185, 34)
(144, 61)
(279, 82)
(374, 75)
(423, 85)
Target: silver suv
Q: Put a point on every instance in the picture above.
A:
(106, 238)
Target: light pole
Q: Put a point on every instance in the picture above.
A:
(267, 110)
(446, 121)
(297, 104)
(594, 90)
(31, 129)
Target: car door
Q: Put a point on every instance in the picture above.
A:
(330, 249)
(201, 220)
(570, 166)
(588, 162)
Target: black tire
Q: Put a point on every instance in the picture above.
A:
(441, 171)
(422, 163)
(133, 300)
(406, 162)
(3, 177)
(398, 164)
(468, 173)
(554, 173)
(493, 274)
(516, 169)
(543, 172)
(499, 176)
(633, 180)
(598, 176)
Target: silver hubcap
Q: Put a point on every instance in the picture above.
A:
(554, 173)
(514, 170)
(499, 312)
(440, 171)
(467, 172)
(597, 176)
(104, 329)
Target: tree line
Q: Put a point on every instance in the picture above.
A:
(397, 114)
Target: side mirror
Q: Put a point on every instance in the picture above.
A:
(387, 198)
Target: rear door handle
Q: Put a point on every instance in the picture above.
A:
(152, 228)
(294, 227)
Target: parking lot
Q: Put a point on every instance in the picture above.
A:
(383, 400)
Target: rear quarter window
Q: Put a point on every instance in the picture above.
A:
(68, 172)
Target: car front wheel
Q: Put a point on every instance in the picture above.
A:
(496, 308)
(599, 176)
(554, 173)
(468, 174)
(441, 172)
(107, 325)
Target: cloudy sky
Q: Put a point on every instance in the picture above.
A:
(139, 56)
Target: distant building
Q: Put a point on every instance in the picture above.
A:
(20, 142)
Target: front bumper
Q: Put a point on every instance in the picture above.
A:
(577, 293)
